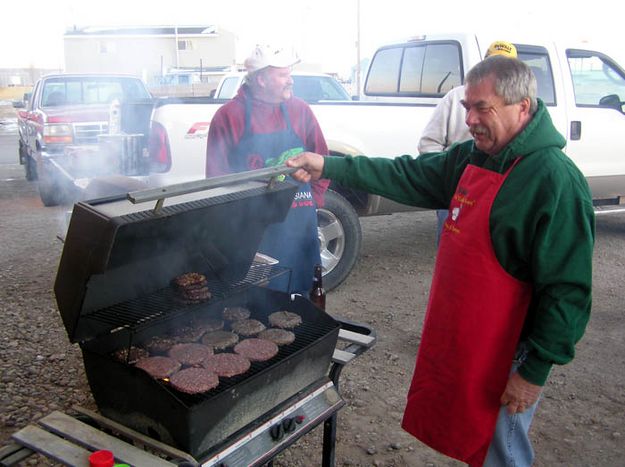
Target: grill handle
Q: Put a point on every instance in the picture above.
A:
(178, 189)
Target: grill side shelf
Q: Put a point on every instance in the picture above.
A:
(70, 441)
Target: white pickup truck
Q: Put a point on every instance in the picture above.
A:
(311, 87)
(583, 88)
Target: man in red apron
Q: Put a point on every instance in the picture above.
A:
(263, 126)
(513, 272)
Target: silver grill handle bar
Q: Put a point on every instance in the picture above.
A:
(178, 189)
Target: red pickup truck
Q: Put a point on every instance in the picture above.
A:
(62, 127)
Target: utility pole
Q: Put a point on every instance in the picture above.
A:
(176, 45)
(358, 48)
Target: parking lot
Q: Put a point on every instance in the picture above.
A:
(579, 421)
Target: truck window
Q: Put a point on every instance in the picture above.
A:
(415, 70)
(597, 80)
(317, 88)
(134, 89)
(333, 91)
(442, 69)
(81, 91)
(54, 94)
(383, 75)
(541, 67)
(229, 88)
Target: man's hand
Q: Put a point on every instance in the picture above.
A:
(519, 394)
(310, 164)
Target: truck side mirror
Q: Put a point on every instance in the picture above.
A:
(611, 101)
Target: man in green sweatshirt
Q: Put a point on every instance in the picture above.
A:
(511, 290)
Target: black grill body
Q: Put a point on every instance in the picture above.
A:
(113, 290)
(196, 423)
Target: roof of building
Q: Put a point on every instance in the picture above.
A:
(142, 30)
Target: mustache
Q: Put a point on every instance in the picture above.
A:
(478, 130)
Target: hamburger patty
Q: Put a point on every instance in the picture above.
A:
(188, 334)
(194, 380)
(236, 313)
(285, 319)
(247, 327)
(190, 354)
(278, 336)
(227, 365)
(256, 350)
(196, 294)
(191, 288)
(130, 355)
(220, 340)
(189, 279)
(208, 324)
(159, 367)
(160, 345)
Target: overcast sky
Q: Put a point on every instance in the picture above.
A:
(322, 31)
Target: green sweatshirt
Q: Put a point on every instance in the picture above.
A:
(541, 224)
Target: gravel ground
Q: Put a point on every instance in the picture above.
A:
(579, 422)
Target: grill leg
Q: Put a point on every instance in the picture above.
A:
(329, 441)
(329, 426)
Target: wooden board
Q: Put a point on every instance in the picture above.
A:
(14, 453)
(342, 357)
(135, 436)
(52, 446)
(86, 435)
(356, 338)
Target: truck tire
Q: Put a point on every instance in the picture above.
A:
(30, 168)
(49, 191)
(340, 239)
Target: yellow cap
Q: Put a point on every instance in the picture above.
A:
(502, 48)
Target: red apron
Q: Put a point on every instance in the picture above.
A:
(472, 327)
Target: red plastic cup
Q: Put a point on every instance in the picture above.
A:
(101, 458)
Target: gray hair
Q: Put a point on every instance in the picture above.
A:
(514, 81)
(250, 78)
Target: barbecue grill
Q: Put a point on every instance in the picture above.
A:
(113, 291)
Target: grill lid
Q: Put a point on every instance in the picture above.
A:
(118, 250)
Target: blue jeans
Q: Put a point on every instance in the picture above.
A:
(441, 216)
(511, 446)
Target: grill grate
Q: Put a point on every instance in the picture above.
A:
(305, 335)
(164, 304)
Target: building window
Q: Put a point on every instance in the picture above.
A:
(185, 44)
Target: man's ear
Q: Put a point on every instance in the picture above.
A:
(525, 105)
(260, 79)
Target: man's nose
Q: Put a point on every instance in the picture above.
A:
(471, 117)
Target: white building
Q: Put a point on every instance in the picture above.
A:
(148, 51)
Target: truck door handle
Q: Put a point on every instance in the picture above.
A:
(576, 130)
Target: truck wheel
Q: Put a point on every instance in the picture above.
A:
(340, 239)
(49, 191)
(30, 167)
